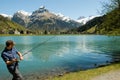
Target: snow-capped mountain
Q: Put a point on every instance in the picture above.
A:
(44, 19)
(63, 17)
(84, 20)
(21, 17)
(22, 14)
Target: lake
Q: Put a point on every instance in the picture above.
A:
(61, 54)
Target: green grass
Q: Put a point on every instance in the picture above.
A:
(91, 30)
(88, 74)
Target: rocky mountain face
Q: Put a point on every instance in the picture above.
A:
(21, 17)
(42, 19)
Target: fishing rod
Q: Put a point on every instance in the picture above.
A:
(40, 44)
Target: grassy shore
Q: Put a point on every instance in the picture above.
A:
(88, 74)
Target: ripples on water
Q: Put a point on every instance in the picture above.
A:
(62, 53)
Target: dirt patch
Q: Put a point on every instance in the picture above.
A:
(112, 75)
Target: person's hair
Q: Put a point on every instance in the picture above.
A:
(9, 42)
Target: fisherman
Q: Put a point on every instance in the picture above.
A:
(10, 55)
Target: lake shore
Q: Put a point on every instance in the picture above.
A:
(55, 34)
(90, 74)
(99, 73)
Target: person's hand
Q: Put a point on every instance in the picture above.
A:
(21, 58)
(14, 60)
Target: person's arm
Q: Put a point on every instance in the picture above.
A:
(6, 59)
(20, 55)
(11, 62)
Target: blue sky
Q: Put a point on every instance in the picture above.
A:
(71, 8)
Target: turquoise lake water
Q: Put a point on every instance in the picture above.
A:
(61, 53)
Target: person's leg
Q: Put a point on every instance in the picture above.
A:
(11, 70)
(15, 73)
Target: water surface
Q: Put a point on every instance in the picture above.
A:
(61, 53)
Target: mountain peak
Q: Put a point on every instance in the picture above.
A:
(42, 9)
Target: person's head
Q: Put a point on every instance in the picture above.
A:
(9, 44)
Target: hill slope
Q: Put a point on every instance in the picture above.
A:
(111, 24)
(8, 27)
(94, 23)
(107, 24)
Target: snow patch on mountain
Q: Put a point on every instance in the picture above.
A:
(66, 18)
(24, 13)
(5, 15)
(84, 20)
(63, 17)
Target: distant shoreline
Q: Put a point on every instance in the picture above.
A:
(2, 35)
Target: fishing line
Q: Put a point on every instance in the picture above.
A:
(40, 44)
